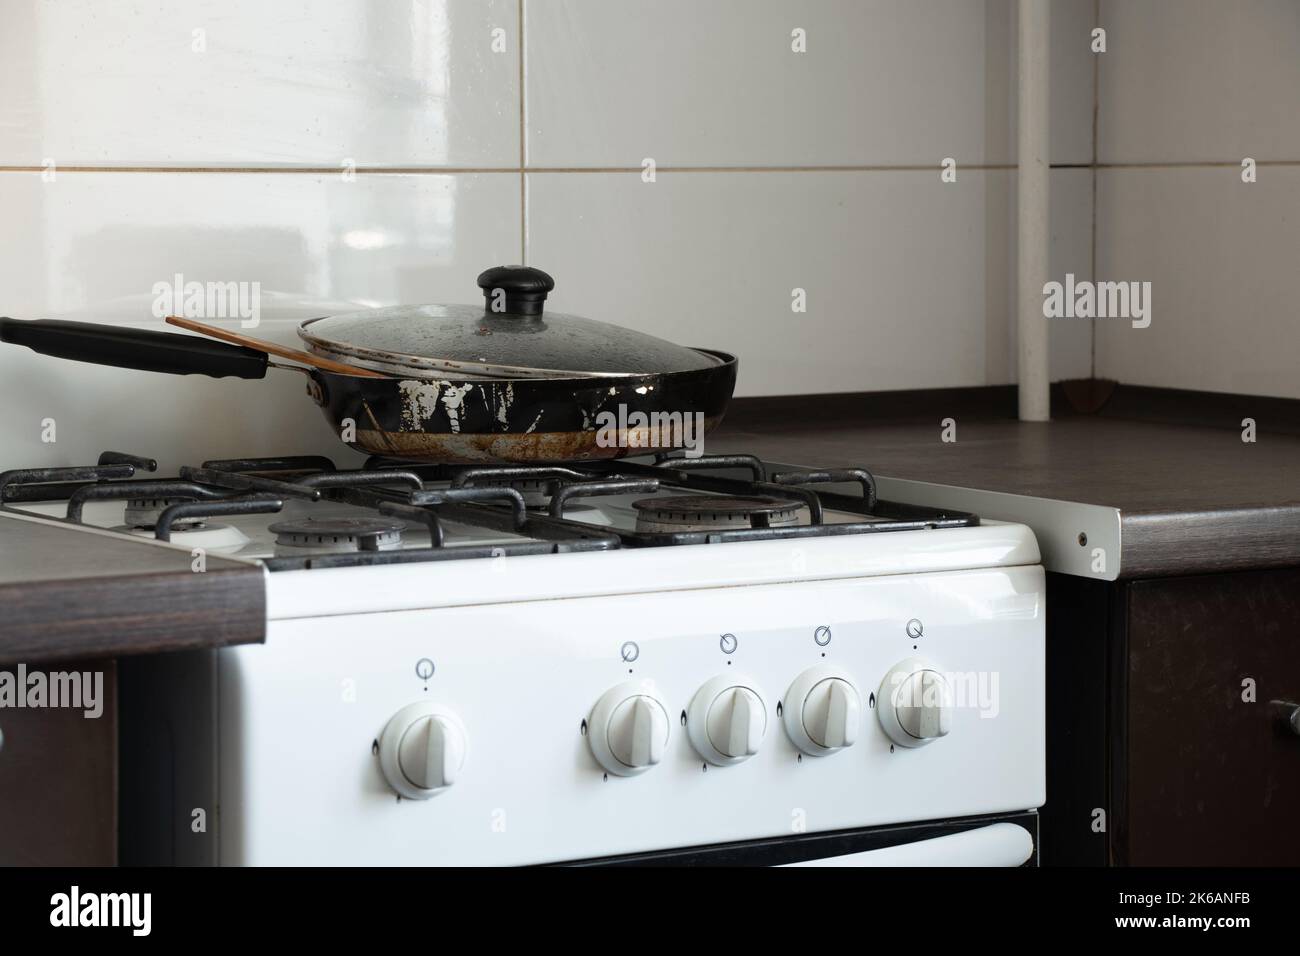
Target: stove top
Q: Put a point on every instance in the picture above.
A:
(305, 512)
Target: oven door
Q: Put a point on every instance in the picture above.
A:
(1008, 840)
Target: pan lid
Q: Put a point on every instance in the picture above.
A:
(510, 336)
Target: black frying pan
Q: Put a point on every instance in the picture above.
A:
(453, 421)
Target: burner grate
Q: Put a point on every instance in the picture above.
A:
(879, 516)
(484, 498)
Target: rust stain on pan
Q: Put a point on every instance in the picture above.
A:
(503, 448)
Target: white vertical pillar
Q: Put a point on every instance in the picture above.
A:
(1034, 226)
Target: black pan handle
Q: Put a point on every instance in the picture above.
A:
(134, 348)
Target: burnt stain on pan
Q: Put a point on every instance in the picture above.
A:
(528, 447)
(517, 420)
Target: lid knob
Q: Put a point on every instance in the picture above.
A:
(515, 290)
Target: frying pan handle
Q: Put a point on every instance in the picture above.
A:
(134, 348)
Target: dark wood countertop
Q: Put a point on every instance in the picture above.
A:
(67, 593)
(1191, 499)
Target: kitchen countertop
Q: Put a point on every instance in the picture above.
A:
(67, 593)
(1189, 499)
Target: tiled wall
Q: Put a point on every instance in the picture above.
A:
(215, 139)
(1187, 89)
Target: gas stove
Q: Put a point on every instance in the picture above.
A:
(669, 659)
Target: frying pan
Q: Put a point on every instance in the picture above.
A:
(454, 420)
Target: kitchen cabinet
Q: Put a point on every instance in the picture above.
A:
(1169, 703)
(58, 780)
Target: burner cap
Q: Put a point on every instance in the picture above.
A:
(338, 534)
(144, 513)
(714, 512)
(536, 491)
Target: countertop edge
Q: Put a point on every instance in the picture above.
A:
(111, 616)
(1157, 544)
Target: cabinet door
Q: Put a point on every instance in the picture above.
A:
(58, 777)
(1204, 775)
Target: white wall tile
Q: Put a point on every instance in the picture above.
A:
(290, 82)
(95, 243)
(1199, 80)
(909, 282)
(1220, 255)
(610, 82)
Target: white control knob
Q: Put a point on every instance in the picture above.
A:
(727, 720)
(915, 703)
(422, 750)
(822, 711)
(628, 729)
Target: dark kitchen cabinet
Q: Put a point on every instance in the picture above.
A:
(1168, 706)
(58, 779)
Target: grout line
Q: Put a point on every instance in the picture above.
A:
(523, 145)
(1198, 164)
(246, 170)
(902, 167)
(523, 218)
(521, 170)
(1092, 247)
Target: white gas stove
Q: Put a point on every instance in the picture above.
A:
(626, 662)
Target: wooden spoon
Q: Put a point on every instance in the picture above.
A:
(283, 351)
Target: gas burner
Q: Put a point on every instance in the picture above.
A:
(536, 491)
(144, 512)
(212, 538)
(322, 535)
(714, 512)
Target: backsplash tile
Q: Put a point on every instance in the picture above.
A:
(612, 82)
(379, 238)
(1199, 81)
(297, 83)
(97, 243)
(1219, 254)
(908, 281)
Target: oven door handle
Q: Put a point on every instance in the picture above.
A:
(998, 844)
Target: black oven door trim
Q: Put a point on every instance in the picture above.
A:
(813, 846)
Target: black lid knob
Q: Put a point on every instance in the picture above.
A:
(515, 290)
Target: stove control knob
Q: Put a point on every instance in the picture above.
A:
(628, 729)
(822, 711)
(727, 720)
(915, 703)
(422, 750)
